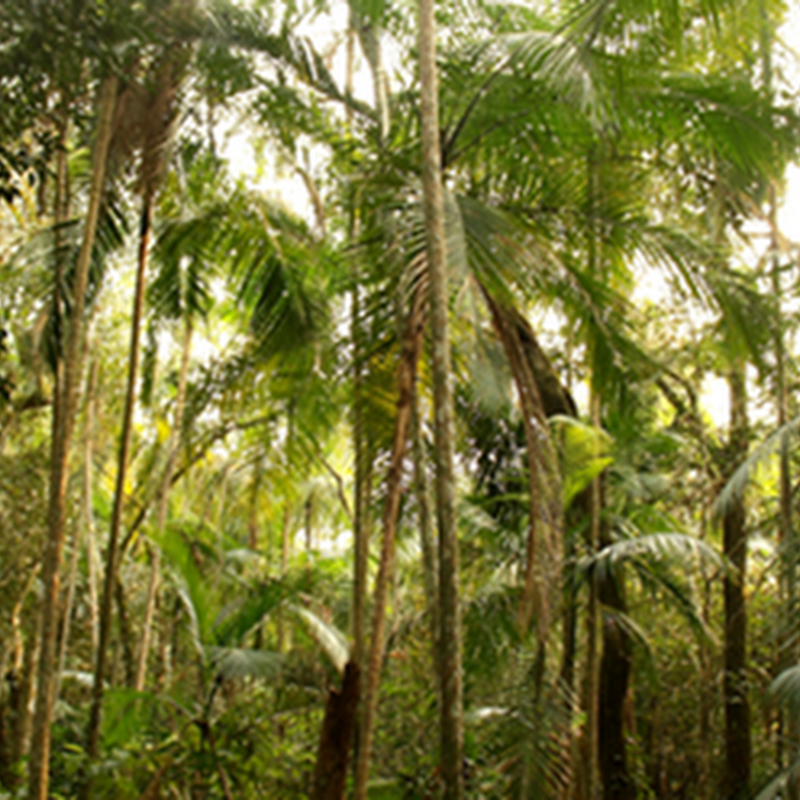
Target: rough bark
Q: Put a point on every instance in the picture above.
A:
(330, 771)
(452, 723)
(412, 345)
(63, 423)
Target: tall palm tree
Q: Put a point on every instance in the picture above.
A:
(156, 120)
(62, 433)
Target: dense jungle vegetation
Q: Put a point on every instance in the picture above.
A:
(398, 401)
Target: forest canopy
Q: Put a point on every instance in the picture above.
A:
(398, 401)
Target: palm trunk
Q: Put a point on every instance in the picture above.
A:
(738, 750)
(93, 731)
(63, 422)
(591, 677)
(363, 490)
(429, 565)
(615, 671)
(286, 553)
(73, 568)
(406, 379)
(163, 504)
(412, 346)
(452, 723)
(88, 512)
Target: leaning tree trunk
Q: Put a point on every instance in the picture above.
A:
(63, 422)
(412, 345)
(452, 723)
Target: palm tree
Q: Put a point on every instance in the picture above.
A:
(155, 122)
(63, 417)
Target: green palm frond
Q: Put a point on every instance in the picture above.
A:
(198, 598)
(241, 662)
(186, 262)
(678, 548)
(242, 615)
(759, 456)
(279, 274)
(653, 558)
(778, 784)
(328, 637)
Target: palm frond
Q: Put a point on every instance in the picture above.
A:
(231, 663)
(669, 546)
(330, 639)
(735, 487)
(785, 690)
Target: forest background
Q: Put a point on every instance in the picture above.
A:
(447, 436)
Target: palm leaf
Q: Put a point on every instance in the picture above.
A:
(329, 638)
(670, 546)
(242, 662)
(785, 690)
(738, 482)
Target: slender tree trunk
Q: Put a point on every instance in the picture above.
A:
(738, 749)
(412, 344)
(163, 504)
(362, 520)
(286, 553)
(88, 510)
(20, 683)
(363, 481)
(615, 671)
(252, 514)
(787, 651)
(429, 565)
(452, 723)
(73, 569)
(63, 421)
(93, 731)
(69, 601)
